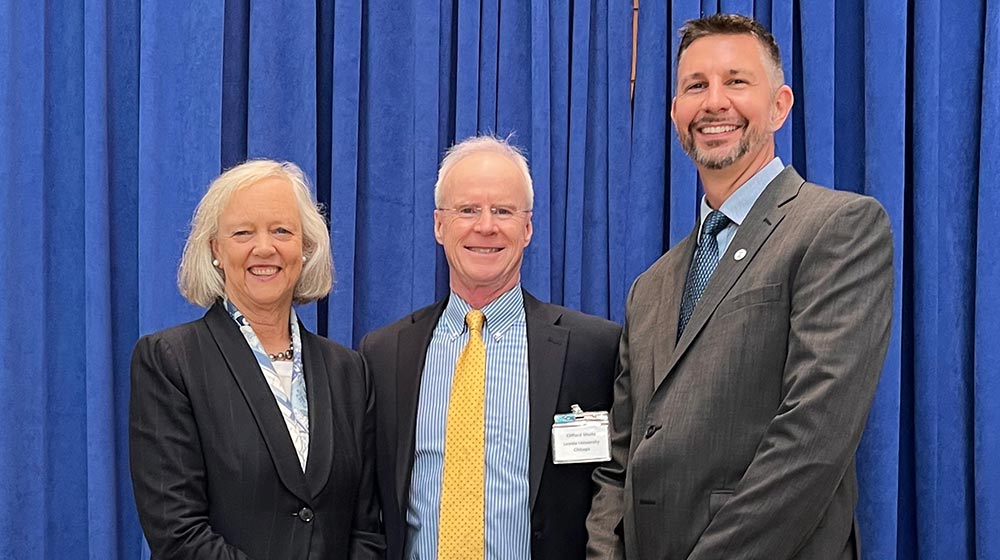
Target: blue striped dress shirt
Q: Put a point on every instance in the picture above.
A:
(508, 519)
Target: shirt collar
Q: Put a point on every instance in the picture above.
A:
(738, 205)
(501, 313)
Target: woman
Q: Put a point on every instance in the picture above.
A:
(249, 436)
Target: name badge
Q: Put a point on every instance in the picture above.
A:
(581, 437)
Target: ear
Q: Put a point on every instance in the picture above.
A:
(673, 106)
(781, 106)
(439, 227)
(215, 248)
(529, 229)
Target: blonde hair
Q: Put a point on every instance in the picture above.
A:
(202, 284)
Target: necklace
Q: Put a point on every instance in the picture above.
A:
(282, 356)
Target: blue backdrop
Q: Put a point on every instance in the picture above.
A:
(114, 119)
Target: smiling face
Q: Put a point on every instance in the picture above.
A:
(485, 253)
(259, 247)
(726, 108)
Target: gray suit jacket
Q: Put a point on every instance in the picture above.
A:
(738, 441)
(571, 360)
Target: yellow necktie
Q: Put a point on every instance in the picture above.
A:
(462, 533)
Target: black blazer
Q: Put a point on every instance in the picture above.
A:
(213, 467)
(571, 360)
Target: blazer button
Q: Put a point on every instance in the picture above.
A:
(305, 514)
(651, 430)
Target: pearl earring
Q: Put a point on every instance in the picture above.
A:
(303, 258)
(215, 263)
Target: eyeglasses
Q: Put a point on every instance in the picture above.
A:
(472, 213)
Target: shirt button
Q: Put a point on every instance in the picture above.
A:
(305, 514)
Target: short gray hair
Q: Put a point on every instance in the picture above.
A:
(202, 283)
(486, 143)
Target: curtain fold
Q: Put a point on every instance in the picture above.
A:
(946, 130)
(180, 137)
(986, 361)
(114, 118)
(25, 156)
(110, 166)
(884, 137)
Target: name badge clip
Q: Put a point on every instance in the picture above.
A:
(581, 437)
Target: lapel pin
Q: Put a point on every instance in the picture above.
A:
(740, 254)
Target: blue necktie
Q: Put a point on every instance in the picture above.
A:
(706, 257)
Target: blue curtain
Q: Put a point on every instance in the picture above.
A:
(114, 119)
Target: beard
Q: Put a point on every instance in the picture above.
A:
(751, 137)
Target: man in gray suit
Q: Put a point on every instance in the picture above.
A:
(752, 349)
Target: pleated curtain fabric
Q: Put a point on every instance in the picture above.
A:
(462, 530)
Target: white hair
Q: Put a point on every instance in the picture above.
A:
(486, 143)
(202, 284)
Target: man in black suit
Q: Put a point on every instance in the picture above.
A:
(540, 360)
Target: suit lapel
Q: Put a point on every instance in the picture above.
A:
(411, 351)
(246, 371)
(547, 344)
(668, 314)
(321, 438)
(760, 223)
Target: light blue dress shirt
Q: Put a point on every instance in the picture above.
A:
(508, 516)
(738, 205)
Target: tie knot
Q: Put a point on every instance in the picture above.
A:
(475, 319)
(714, 223)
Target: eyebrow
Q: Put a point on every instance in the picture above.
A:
(251, 224)
(701, 75)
